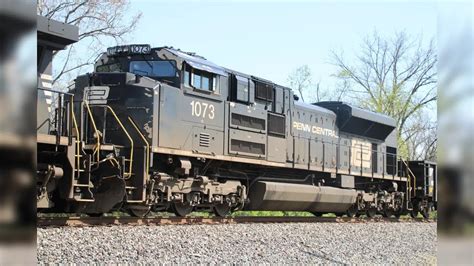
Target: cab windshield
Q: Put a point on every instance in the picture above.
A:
(155, 69)
(109, 68)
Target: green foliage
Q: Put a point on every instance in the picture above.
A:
(344, 73)
(271, 213)
(402, 148)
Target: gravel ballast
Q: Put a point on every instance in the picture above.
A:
(356, 243)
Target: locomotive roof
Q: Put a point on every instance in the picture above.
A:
(194, 60)
(359, 112)
(362, 122)
(202, 63)
(311, 107)
(198, 62)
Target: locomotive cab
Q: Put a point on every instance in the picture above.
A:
(141, 60)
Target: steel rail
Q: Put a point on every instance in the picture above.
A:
(109, 220)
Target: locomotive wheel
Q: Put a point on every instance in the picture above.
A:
(371, 212)
(397, 214)
(221, 209)
(182, 209)
(352, 211)
(318, 214)
(141, 211)
(339, 214)
(387, 213)
(415, 209)
(414, 213)
(425, 212)
(95, 214)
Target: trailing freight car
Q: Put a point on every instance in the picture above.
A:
(163, 129)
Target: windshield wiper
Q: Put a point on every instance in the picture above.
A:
(174, 65)
(148, 62)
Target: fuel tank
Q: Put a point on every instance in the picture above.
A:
(275, 196)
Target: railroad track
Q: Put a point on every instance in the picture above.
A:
(98, 221)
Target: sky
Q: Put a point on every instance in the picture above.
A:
(270, 39)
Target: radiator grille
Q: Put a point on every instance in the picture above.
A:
(204, 139)
(276, 125)
(247, 147)
(263, 91)
(248, 121)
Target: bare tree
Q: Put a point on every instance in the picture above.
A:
(300, 80)
(324, 94)
(420, 137)
(395, 76)
(99, 21)
(339, 93)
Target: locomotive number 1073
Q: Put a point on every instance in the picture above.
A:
(203, 110)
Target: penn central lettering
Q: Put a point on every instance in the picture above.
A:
(315, 129)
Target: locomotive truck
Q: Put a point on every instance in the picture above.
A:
(161, 129)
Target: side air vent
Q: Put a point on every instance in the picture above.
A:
(247, 147)
(276, 125)
(204, 140)
(263, 91)
(248, 121)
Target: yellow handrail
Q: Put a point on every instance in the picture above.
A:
(410, 173)
(146, 141)
(78, 138)
(95, 129)
(129, 174)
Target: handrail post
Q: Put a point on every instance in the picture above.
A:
(59, 118)
(95, 129)
(128, 136)
(146, 142)
(361, 161)
(78, 137)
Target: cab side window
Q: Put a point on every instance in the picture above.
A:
(200, 80)
(187, 77)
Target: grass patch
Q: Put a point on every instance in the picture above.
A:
(271, 213)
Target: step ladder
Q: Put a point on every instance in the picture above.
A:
(81, 182)
(81, 185)
(411, 180)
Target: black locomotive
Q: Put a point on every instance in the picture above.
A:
(166, 130)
